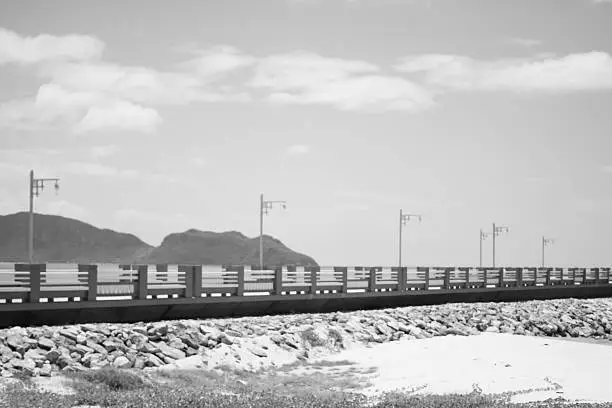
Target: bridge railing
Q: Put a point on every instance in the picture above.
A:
(77, 282)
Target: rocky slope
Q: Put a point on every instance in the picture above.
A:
(258, 342)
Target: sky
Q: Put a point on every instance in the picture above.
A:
(163, 116)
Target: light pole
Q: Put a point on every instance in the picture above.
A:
(497, 230)
(545, 242)
(264, 206)
(36, 185)
(404, 218)
(483, 236)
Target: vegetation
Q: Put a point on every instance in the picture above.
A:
(226, 388)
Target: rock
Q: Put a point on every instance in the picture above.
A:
(122, 362)
(16, 343)
(27, 364)
(52, 356)
(95, 347)
(46, 370)
(258, 351)
(45, 343)
(35, 355)
(170, 351)
(151, 360)
(69, 334)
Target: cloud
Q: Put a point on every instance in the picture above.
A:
(219, 60)
(525, 42)
(17, 49)
(297, 150)
(122, 115)
(307, 78)
(87, 94)
(574, 72)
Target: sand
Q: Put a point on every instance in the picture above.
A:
(491, 363)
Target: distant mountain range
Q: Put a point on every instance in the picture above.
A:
(60, 239)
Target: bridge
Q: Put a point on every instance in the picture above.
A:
(61, 293)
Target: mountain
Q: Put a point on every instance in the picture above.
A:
(64, 239)
(211, 248)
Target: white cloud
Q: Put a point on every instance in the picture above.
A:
(574, 72)
(87, 94)
(219, 60)
(297, 150)
(122, 115)
(307, 78)
(18, 49)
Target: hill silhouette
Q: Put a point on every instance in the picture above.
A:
(205, 247)
(60, 239)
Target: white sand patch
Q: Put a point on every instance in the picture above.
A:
(492, 363)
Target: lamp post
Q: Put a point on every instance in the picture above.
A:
(483, 236)
(404, 218)
(36, 185)
(497, 230)
(264, 207)
(545, 242)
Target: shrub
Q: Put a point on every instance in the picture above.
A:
(113, 378)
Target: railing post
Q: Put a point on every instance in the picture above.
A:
(188, 271)
(143, 282)
(596, 275)
(278, 281)
(197, 281)
(313, 279)
(372, 280)
(467, 277)
(548, 272)
(427, 278)
(401, 278)
(584, 276)
(446, 278)
(92, 283)
(573, 275)
(35, 272)
(240, 271)
(501, 278)
(561, 275)
(344, 279)
(486, 277)
(519, 277)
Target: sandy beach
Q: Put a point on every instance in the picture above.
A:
(533, 368)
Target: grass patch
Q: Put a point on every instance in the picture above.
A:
(112, 378)
(194, 396)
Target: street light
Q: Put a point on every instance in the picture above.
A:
(264, 207)
(404, 218)
(36, 185)
(545, 242)
(497, 230)
(483, 236)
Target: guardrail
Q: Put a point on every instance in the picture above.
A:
(53, 282)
